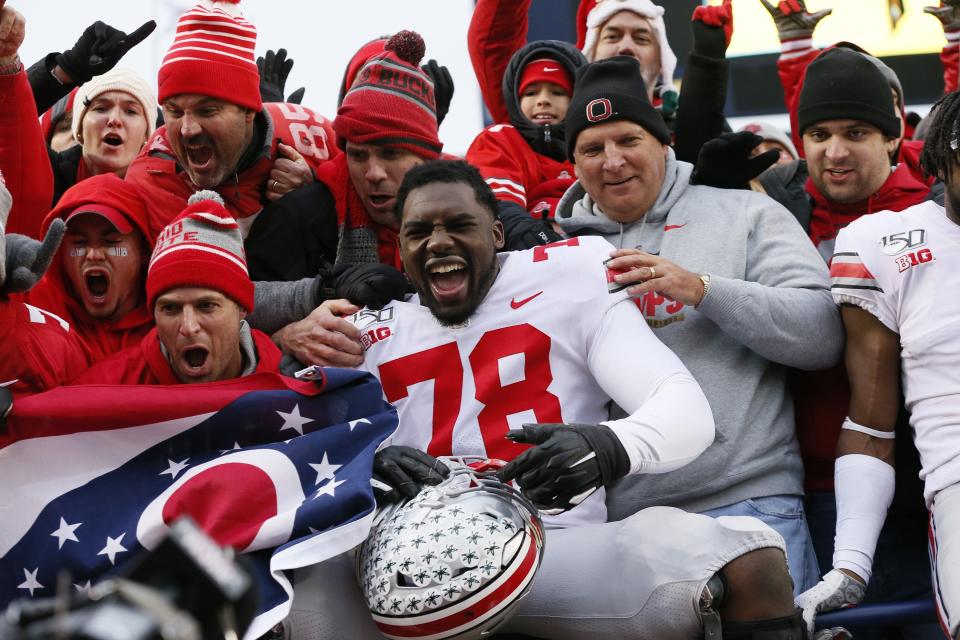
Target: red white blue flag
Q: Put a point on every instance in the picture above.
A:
(277, 468)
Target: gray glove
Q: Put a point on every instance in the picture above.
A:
(948, 13)
(793, 20)
(26, 259)
(837, 590)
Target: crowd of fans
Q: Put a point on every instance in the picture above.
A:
(201, 227)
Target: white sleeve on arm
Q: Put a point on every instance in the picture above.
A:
(669, 422)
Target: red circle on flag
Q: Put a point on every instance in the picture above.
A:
(229, 516)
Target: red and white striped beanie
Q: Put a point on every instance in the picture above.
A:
(593, 14)
(202, 247)
(212, 55)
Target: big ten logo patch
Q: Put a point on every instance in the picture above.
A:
(659, 310)
(374, 335)
(370, 322)
(306, 130)
(174, 234)
(913, 259)
(899, 242)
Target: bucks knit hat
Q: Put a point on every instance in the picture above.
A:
(392, 102)
(841, 84)
(608, 90)
(212, 55)
(202, 247)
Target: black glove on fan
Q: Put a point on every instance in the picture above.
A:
(365, 284)
(725, 161)
(442, 87)
(521, 230)
(274, 69)
(400, 472)
(99, 49)
(568, 463)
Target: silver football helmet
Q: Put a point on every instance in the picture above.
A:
(454, 561)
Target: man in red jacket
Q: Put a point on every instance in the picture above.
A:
(218, 134)
(199, 292)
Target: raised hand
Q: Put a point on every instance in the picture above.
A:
(793, 20)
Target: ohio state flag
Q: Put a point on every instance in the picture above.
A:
(277, 468)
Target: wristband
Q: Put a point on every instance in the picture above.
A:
(876, 433)
(864, 486)
(12, 67)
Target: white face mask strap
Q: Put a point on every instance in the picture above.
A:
(876, 433)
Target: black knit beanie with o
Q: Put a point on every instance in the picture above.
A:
(608, 90)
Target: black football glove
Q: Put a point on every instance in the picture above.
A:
(442, 87)
(400, 472)
(274, 69)
(521, 230)
(568, 463)
(26, 259)
(99, 49)
(725, 161)
(365, 285)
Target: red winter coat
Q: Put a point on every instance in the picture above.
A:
(145, 363)
(38, 350)
(167, 187)
(516, 172)
(23, 156)
(99, 339)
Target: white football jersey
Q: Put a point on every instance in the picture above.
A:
(904, 268)
(553, 341)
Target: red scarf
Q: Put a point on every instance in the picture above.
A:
(351, 215)
(901, 190)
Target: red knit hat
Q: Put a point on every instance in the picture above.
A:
(212, 55)
(360, 58)
(202, 247)
(545, 70)
(392, 101)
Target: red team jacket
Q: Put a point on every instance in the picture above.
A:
(516, 172)
(166, 186)
(23, 156)
(38, 350)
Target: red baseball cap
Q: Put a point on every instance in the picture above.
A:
(113, 216)
(545, 70)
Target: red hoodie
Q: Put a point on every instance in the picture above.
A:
(54, 293)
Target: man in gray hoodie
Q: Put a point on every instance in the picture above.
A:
(728, 280)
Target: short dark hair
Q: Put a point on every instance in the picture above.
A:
(941, 144)
(450, 172)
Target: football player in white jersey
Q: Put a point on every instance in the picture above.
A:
(498, 352)
(896, 276)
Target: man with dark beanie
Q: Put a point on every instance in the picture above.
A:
(849, 128)
(727, 280)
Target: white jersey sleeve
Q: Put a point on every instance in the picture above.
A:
(904, 267)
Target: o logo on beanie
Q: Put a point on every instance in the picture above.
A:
(599, 110)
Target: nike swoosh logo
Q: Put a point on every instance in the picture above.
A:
(516, 304)
(668, 227)
(550, 69)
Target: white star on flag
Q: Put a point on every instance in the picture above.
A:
(31, 582)
(354, 423)
(324, 470)
(113, 548)
(83, 588)
(65, 532)
(175, 468)
(236, 445)
(294, 420)
(329, 488)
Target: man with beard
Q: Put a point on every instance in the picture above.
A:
(518, 356)
(890, 273)
(218, 134)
